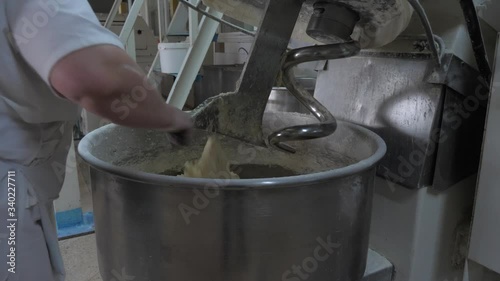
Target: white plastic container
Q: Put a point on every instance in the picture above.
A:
(172, 56)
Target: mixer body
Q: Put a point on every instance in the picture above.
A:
(308, 226)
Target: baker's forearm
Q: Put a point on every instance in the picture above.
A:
(130, 100)
(144, 109)
(106, 81)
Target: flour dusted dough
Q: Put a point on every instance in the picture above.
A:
(213, 163)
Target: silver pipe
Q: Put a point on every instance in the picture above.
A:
(328, 123)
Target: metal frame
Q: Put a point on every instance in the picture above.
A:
(194, 59)
(112, 14)
(130, 21)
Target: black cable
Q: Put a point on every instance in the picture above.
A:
(476, 38)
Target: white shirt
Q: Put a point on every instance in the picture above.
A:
(35, 35)
(35, 123)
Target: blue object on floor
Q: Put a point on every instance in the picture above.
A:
(74, 223)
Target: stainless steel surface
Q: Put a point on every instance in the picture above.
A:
(80, 256)
(240, 114)
(461, 130)
(460, 77)
(254, 229)
(218, 79)
(282, 100)
(406, 100)
(327, 124)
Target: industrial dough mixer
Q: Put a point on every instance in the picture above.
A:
(301, 211)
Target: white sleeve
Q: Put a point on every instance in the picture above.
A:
(45, 31)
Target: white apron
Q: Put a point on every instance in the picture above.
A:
(37, 255)
(36, 125)
(35, 134)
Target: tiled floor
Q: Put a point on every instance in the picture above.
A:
(80, 258)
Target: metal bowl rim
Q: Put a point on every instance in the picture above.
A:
(300, 180)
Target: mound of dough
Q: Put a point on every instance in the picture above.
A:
(213, 163)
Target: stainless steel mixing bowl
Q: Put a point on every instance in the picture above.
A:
(152, 227)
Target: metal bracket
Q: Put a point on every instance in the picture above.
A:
(458, 76)
(194, 59)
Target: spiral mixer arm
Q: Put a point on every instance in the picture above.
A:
(341, 26)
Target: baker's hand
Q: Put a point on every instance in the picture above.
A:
(181, 132)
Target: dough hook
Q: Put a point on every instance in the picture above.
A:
(328, 124)
(239, 114)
